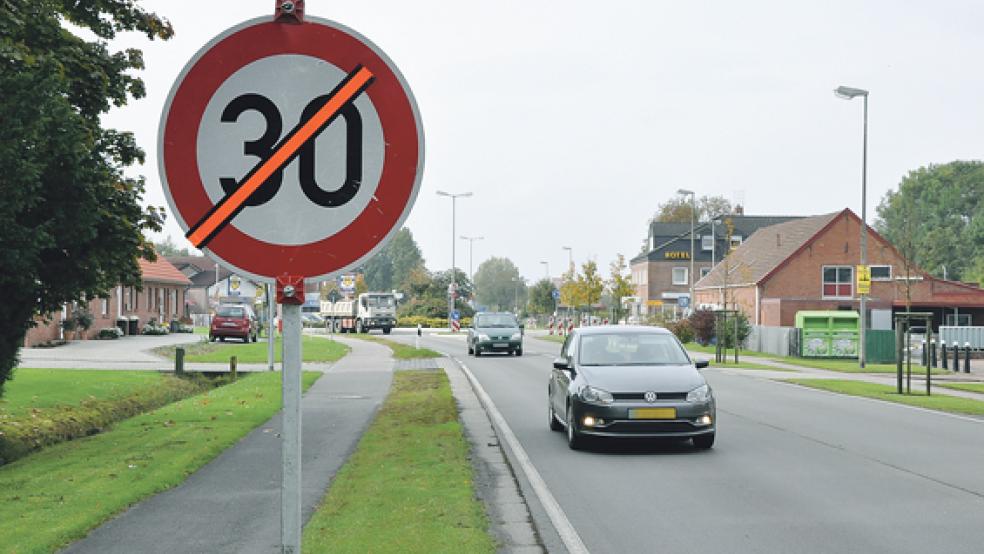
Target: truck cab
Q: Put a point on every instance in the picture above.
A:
(377, 310)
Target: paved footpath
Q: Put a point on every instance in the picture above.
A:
(233, 503)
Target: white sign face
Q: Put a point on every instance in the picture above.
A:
(252, 110)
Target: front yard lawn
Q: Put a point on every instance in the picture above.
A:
(314, 350)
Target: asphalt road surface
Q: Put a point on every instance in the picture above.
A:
(793, 470)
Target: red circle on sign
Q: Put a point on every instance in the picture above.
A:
(394, 105)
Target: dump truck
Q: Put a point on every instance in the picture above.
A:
(370, 310)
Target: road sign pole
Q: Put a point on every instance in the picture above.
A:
(290, 491)
(271, 328)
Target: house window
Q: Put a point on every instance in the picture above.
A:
(704, 271)
(104, 306)
(881, 273)
(735, 241)
(680, 276)
(838, 281)
(958, 320)
(707, 243)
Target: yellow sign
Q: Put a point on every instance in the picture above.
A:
(655, 302)
(864, 279)
(676, 255)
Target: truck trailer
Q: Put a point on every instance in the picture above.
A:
(370, 310)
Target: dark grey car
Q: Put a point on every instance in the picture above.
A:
(627, 381)
(495, 332)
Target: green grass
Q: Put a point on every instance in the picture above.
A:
(401, 351)
(201, 330)
(749, 365)
(940, 402)
(969, 387)
(551, 338)
(843, 366)
(314, 349)
(408, 486)
(55, 496)
(42, 407)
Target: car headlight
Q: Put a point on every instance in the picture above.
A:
(596, 395)
(483, 338)
(516, 336)
(700, 394)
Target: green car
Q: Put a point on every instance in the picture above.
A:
(495, 332)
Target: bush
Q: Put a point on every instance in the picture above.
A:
(683, 331)
(108, 333)
(702, 326)
(152, 328)
(744, 329)
(84, 319)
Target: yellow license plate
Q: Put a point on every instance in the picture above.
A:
(652, 413)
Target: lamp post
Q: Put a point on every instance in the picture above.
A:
(849, 93)
(451, 293)
(546, 269)
(570, 257)
(471, 244)
(693, 217)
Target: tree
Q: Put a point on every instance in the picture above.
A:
(71, 224)
(429, 294)
(678, 209)
(405, 256)
(498, 284)
(590, 284)
(168, 248)
(378, 271)
(940, 208)
(619, 284)
(541, 297)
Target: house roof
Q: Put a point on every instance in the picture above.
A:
(207, 278)
(161, 271)
(766, 250)
(204, 276)
(669, 235)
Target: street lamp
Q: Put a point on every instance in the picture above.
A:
(517, 281)
(849, 93)
(693, 216)
(454, 197)
(546, 269)
(570, 257)
(471, 244)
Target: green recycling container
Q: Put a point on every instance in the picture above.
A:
(829, 334)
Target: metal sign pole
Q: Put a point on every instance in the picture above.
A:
(290, 492)
(271, 328)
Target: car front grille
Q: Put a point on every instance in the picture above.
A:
(641, 396)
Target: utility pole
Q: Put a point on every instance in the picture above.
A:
(453, 288)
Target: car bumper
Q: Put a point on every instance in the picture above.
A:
(621, 419)
(228, 332)
(380, 322)
(499, 345)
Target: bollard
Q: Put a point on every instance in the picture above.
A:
(966, 357)
(932, 354)
(179, 361)
(943, 354)
(233, 362)
(956, 357)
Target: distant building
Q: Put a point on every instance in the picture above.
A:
(162, 299)
(810, 264)
(212, 284)
(662, 276)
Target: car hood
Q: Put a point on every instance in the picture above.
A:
(497, 331)
(659, 378)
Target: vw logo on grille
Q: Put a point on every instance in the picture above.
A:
(650, 396)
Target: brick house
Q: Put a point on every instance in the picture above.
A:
(810, 264)
(162, 299)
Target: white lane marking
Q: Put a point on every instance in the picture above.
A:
(572, 541)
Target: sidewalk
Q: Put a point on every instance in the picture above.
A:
(233, 503)
(918, 375)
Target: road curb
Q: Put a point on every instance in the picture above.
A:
(510, 521)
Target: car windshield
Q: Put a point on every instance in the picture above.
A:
(231, 311)
(496, 320)
(380, 301)
(630, 349)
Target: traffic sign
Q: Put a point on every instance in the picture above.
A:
(683, 301)
(864, 279)
(292, 149)
(347, 283)
(556, 294)
(455, 315)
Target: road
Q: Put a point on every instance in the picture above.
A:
(793, 470)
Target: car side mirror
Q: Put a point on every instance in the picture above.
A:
(701, 364)
(562, 363)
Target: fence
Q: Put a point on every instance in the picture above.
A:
(781, 341)
(963, 335)
(879, 346)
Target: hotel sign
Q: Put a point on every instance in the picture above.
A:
(676, 255)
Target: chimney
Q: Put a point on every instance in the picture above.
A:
(739, 210)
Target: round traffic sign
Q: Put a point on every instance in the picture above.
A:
(290, 149)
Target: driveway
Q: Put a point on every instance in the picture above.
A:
(132, 352)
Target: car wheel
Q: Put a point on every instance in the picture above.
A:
(574, 439)
(386, 330)
(221, 339)
(470, 349)
(704, 442)
(555, 424)
(519, 352)
(478, 352)
(211, 338)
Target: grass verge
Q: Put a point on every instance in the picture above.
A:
(969, 387)
(559, 339)
(843, 366)
(56, 496)
(401, 351)
(408, 486)
(42, 407)
(314, 350)
(940, 402)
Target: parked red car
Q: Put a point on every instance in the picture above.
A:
(235, 320)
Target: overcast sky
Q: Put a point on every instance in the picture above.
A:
(570, 121)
